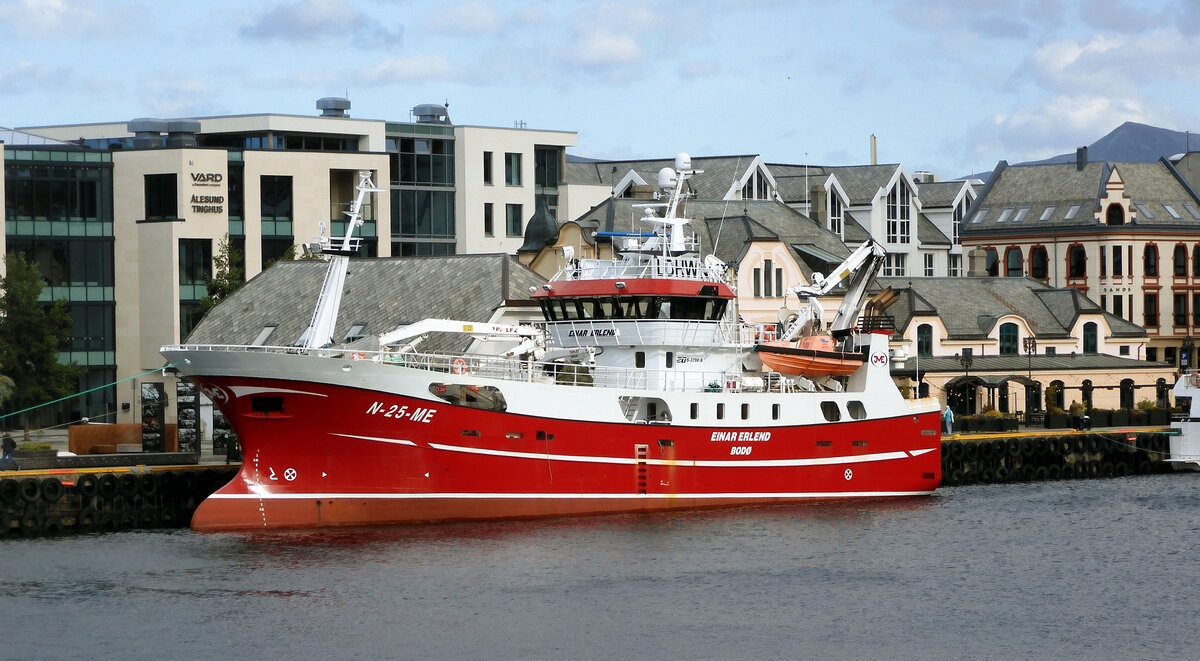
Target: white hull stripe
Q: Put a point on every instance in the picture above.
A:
(715, 463)
(242, 391)
(396, 441)
(559, 496)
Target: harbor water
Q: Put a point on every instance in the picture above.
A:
(1080, 569)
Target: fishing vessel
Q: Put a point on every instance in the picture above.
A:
(1185, 442)
(640, 390)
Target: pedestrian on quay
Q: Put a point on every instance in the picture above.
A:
(948, 420)
(8, 445)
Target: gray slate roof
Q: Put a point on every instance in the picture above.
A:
(384, 293)
(1022, 364)
(727, 228)
(928, 234)
(970, 307)
(718, 173)
(939, 193)
(862, 182)
(1053, 189)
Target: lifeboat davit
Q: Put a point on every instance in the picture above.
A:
(815, 355)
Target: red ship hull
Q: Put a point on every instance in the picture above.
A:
(319, 455)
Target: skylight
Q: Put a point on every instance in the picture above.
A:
(1004, 215)
(1171, 210)
(1192, 210)
(262, 336)
(1021, 213)
(1048, 212)
(1072, 212)
(980, 216)
(1146, 213)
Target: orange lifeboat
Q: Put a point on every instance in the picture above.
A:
(815, 355)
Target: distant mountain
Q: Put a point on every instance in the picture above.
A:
(1132, 143)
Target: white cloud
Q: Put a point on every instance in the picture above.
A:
(601, 47)
(431, 68)
(1055, 126)
(305, 21)
(1107, 62)
(32, 20)
(28, 76)
(466, 19)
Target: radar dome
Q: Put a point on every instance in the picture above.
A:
(666, 178)
(683, 161)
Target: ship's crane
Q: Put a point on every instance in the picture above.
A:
(857, 271)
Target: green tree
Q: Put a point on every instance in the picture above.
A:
(31, 335)
(227, 275)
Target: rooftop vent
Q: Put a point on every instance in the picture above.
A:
(431, 113)
(334, 106)
(147, 132)
(182, 132)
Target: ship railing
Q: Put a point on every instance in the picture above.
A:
(685, 268)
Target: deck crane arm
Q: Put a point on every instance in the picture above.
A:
(857, 270)
(531, 338)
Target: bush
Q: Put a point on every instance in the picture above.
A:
(1147, 405)
(34, 447)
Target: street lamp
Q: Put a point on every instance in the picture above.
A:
(965, 361)
(1030, 349)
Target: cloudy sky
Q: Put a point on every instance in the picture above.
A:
(947, 86)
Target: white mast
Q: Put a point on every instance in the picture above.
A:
(320, 330)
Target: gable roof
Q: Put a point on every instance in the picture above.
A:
(719, 172)
(863, 182)
(383, 293)
(726, 228)
(969, 307)
(1043, 195)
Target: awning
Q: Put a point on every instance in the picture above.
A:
(989, 381)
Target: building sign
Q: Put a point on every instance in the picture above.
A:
(207, 202)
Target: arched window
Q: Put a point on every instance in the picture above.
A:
(1013, 265)
(924, 340)
(1076, 262)
(1089, 337)
(1196, 261)
(1115, 215)
(1059, 395)
(1008, 339)
(993, 263)
(1038, 262)
(1126, 393)
(1180, 261)
(1150, 261)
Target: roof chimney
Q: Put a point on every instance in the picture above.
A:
(977, 262)
(334, 106)
(874, 156)
(182, 132)
(147, 132)
(431, 113)
(1080, 158)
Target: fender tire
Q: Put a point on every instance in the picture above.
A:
(52, 490)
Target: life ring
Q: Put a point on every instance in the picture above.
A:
(458, 366)
(359, 356)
